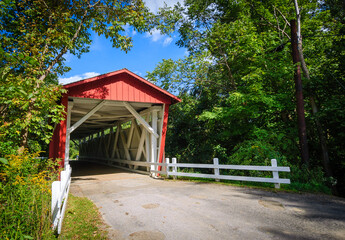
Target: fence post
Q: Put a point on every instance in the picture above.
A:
(275, 173)
(174, 167)
(167, 161)
(216, 169)
(55, 203)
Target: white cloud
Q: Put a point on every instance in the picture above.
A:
(78, 77)
(129, 31)
(167, 41)
(155, 35)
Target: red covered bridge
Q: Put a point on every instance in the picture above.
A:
(118, 118)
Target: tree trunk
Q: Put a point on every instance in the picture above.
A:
(322, 138)
(302, 129)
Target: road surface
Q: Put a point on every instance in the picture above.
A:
(136, 206)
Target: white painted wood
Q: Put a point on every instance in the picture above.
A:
(174, 168)
(123, 140)
(129, 162)
(167, 161)
(110, 135)
(68, 134)
(237, 178)
(153, 140)
(83, 119)
(130, 135)
(275, 173)
(60, 190)
(118, 129)
(149, 110)
(234, 167)
(216, 168)
(140, 119)
(274, 168)
(141, 145)
(147, 143)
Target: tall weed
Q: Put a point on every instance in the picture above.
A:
(25, 196)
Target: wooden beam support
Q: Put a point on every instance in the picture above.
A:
(140, 119)
(154, 119)
(83, 119)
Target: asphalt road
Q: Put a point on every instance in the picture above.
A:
(138, 207)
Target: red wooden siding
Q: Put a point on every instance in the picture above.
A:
(121, 85)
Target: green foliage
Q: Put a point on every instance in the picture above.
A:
(243, 108)
(25, 197)
(34, 36)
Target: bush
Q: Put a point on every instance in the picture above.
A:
(256, 153)
(25, 196)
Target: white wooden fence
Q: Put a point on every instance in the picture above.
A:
(171, 169)
(216, 175)
(60, 191)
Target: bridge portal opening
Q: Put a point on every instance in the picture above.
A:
(117, 119)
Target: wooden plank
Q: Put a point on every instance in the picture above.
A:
(234, 167)
(123, 140)
(154, 119)
(275, 173)
(237, 178)
(141, 145)
(114, 147)
(216, 168)
(110, 136)
(147, 143)
(83, 119)
(174, 167)
(140, 119)
(130, 135)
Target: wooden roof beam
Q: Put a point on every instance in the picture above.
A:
(140, 119)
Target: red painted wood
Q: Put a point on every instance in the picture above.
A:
(164, 133)
(58, 142)
(121, 85)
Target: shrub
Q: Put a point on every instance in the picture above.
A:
(25, 196)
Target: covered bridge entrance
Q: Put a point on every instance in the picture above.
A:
(118, 119)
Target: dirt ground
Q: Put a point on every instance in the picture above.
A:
(136, 206)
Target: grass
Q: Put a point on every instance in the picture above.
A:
(82, 220)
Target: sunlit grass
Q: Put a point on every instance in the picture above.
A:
(82, 220)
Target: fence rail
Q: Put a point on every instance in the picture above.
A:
(217, 176)
(60, 191)
(165, 168)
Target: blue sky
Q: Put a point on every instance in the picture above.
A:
(147, 51)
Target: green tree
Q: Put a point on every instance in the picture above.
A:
(244, 107)
(34, 37)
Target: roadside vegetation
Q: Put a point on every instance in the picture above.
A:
(25, 196)
(82, 220)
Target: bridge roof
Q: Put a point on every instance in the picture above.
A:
(121, 85)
